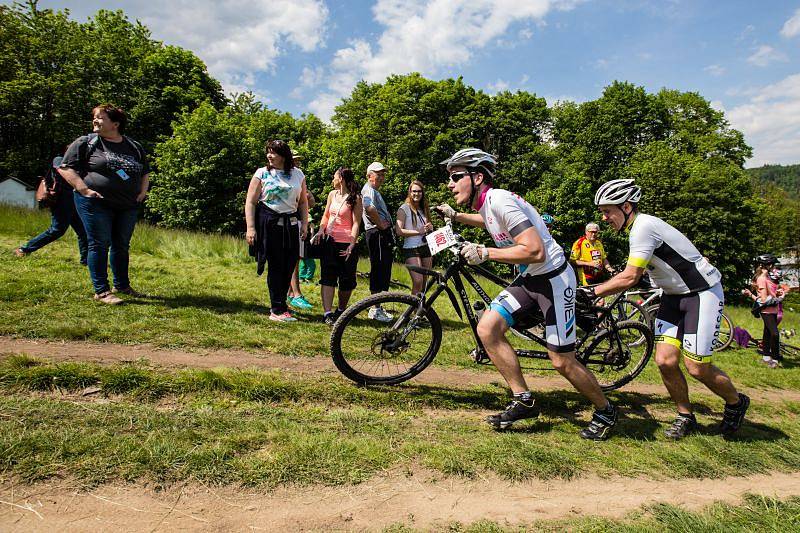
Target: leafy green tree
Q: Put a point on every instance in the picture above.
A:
(54, 70)
(167, 82)
(787, 177)
(202, 172)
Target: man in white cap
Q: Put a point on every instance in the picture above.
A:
(379, 236)
(589, 256)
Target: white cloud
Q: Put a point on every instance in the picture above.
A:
(235, 38)
(770, 121)
(427, 37)
(602, 63)
(764, 55)
(715, 70)
(746, 32)
(792, 26)
(310, 77)
(498, 86)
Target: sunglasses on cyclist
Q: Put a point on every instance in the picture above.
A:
(456, 176)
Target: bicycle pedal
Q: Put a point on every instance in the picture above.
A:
(480, 358)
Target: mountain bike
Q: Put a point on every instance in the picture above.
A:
(370, 352)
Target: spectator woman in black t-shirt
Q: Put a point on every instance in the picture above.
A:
(110, 175)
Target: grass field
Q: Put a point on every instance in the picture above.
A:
(203, 293)
(268, 429)
(271, 428)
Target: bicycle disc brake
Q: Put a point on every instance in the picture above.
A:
(390, 343)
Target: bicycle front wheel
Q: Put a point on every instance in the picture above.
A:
(371, 352)
(616, 357)
(725, 336)
(628, 309)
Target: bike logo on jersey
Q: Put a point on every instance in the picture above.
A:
(569, 310)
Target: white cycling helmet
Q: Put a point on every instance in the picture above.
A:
(472, 158)
(617, 192)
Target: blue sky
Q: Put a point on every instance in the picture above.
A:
(304, 55)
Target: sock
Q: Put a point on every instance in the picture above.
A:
(690, 416)
(767, 358)
(326, 313)
(525, 397)
(609, 408)
(734, 405)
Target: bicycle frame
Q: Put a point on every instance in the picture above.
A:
(458, 269)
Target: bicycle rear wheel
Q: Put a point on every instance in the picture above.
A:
(615, 358)
(725, 336)
(370, 352)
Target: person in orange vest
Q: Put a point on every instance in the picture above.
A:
(589, 257)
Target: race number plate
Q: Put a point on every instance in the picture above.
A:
(441, 239)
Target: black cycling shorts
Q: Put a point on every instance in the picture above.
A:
(554, 297)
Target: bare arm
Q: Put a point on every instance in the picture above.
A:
(357, 211)
(323, 224)
(622, 281)
(470, 219)
(77, 183)
(375, 218)
(400, 225)
(302, 207)
(253, 193)
(528, 248)
(143, 188)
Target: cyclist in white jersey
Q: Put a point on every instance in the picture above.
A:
(547, 283)
(689, 317)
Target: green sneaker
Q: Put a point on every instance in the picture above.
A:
(300, 302)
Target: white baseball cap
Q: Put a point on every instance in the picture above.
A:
(375, 167)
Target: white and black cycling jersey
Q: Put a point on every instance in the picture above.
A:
(674, 263)
(506, 215)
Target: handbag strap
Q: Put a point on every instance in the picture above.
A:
(332, 219)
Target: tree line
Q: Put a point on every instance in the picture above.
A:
(205, 147)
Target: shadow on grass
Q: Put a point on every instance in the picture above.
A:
(636, 421)
(751, 432)
(202, 301)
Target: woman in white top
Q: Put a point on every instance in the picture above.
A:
(413, 223)
(276, 212)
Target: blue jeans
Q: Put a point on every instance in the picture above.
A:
(107, 228)
(62, 216)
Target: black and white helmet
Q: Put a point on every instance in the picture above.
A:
(617, 192)
(472, 158)
(767, 260)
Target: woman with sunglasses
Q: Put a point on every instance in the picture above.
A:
(413, 223)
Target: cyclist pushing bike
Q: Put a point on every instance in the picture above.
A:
(688, 319)
(547, 283)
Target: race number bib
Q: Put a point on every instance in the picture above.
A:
(441, 239)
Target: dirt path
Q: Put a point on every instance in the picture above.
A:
(312, 366)
(420, 501)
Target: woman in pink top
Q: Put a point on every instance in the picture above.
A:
(766, 281)
(338, 230)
